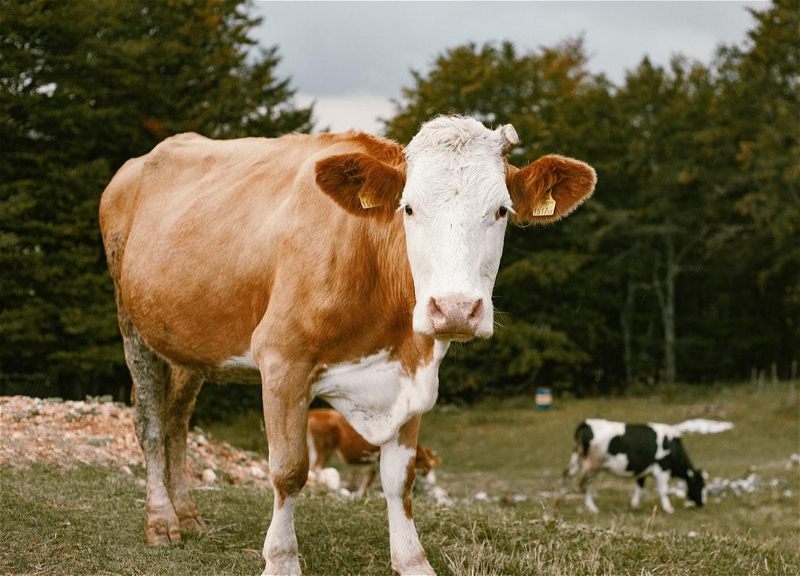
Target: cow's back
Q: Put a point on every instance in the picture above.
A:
(196, 232)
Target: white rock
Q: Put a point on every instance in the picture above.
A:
(692, 534)
(440, 495)
(482, 496)
(257, 472)
(208, 476)
(127, 470)
(329, 477)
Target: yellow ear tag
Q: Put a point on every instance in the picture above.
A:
(547, 207)
(366, 201)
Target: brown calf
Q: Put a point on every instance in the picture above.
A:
(329, 433)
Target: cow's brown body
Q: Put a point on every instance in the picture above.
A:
(286, 262)
(228, 231)
(224, 249)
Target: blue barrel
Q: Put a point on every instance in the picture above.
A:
(544, 398)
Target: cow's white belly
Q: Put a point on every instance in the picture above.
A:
(618, 464)
(377, 396)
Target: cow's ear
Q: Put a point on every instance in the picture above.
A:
(361, 184)
(549, 188)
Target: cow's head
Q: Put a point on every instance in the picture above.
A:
(425, 461)
(456, 193)
(696, 486)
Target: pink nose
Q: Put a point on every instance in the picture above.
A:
(457, 314)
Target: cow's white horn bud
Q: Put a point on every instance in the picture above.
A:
(510, 138)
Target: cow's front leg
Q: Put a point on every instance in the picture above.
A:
(286, 402)
(369, 476)
(662, 486)
(397, 478)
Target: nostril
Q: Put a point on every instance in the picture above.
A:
(435, 311)
(477, 310)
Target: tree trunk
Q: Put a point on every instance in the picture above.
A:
(626, 322)
(666, 300)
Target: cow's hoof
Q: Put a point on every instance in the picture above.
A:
(191, 522)
(189, 518)
(420, 567)
(288, 567)
(163, 530)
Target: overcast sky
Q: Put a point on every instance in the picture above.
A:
(353, 57)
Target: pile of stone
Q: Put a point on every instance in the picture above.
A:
(99, 431)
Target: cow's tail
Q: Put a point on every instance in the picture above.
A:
(702, 426)
(583, 435)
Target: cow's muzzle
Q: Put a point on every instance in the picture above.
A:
(455, 317)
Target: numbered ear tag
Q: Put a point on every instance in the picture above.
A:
(367, 201)
(547, 207)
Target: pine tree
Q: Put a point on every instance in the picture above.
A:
(85, 86)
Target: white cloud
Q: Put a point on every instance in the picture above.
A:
(354, 56)
(340, 113)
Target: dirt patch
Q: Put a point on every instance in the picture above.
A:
(68, 433)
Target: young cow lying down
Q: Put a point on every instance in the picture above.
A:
(634, 450)
(329, 432)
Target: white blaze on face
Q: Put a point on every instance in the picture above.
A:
(455, 186)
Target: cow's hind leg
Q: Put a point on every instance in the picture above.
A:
(570, 471)
(150, 374)
(397, 478)
(637, 493)
(183, 389)
(586, 487)
(286, 403)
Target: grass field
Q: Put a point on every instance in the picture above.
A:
(91, 521)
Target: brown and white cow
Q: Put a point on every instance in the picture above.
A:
(332, 265)
(329, 434)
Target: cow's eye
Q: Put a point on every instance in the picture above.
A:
(502, 211)
(409, 211)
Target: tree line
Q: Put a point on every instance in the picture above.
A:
(685, 266)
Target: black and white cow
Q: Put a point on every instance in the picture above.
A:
(634, 450)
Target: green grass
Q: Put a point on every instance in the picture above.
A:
(91, 520)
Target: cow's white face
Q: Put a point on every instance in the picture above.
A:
(455, 210)
(456, 193)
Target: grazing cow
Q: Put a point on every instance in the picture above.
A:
(331, 265)
(329, 432)
(634, 450)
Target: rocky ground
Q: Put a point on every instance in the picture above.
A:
(100, 432)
